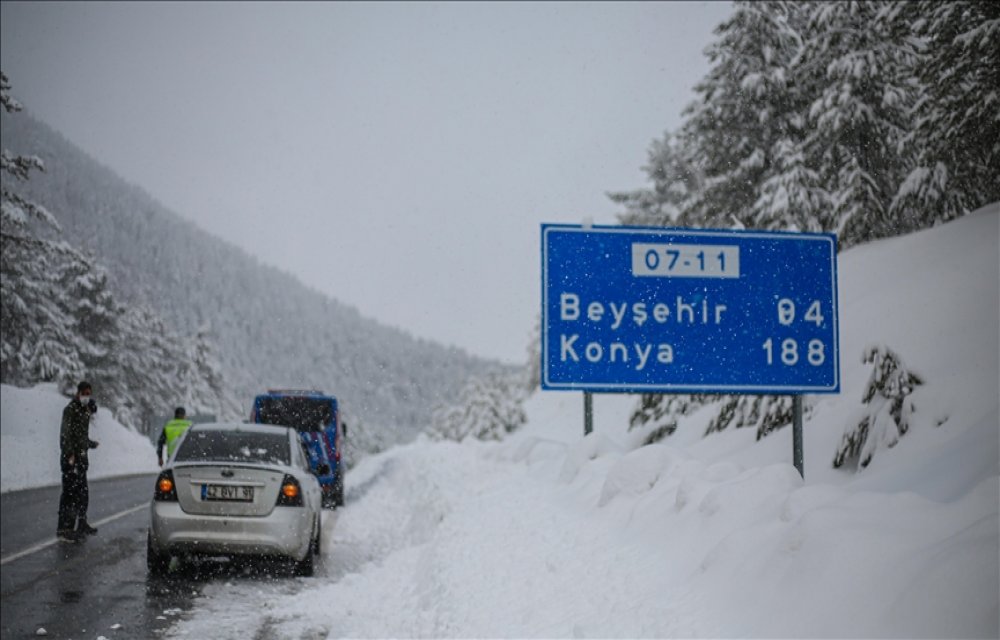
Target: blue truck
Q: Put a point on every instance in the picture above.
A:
(316, 416)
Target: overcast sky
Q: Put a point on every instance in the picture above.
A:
(399, 157)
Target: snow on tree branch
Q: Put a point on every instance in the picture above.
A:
(10, 105)
(889, 409)
(763, 413)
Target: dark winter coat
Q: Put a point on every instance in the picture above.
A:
(74, 434)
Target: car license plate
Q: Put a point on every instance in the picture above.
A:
(226, 492)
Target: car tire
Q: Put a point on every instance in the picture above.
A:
(304, 567)
(317, 542)
(338, 493)
(157, 562)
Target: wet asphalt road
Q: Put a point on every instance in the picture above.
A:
(99, 587)
(84, 590)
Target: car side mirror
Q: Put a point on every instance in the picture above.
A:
(323, 469)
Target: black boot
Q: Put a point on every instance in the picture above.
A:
(84, 528)
(69, 535)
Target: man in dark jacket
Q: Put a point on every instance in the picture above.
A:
(74, 441)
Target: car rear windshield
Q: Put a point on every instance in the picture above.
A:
(304, 414)
(234, 446)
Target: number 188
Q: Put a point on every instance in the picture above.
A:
(789, 355)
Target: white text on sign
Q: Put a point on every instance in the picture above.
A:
(685, 260)
(617, 314)
(686, 312)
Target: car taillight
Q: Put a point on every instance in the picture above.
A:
(166, 490)
(290, 494)
(336, 455)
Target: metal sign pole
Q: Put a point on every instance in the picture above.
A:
(588, 413)
(797, 434)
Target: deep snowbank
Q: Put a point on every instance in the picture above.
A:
(550, 534)
(29, 440)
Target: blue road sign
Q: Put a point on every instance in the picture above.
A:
(651, 310)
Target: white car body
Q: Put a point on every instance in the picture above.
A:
(226, 500)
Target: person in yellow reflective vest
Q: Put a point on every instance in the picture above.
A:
(172, 432)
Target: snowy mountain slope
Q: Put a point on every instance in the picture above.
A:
(29, 441)
(270, 330)
(553, 535)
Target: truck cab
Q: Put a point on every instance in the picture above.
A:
(316, 417)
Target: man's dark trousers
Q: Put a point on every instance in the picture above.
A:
(75, 497)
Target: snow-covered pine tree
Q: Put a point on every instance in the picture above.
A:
(88, 301)
(446, 423)
(201, 384)
(38, 337)
(488, 409)
(136, 362)
(955, 142)
(889, 408)
(734, 139)
(864, 56)
(147, 354)
(805, 114)
(674, 180)
(791, 195)
(40, 342)
(732, 131)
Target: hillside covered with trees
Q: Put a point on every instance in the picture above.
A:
(102, 281)
(864, 119)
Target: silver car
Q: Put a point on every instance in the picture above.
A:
(236, 489)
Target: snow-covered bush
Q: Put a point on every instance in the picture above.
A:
(657, 414)
(763, 413)
(488, 409)
(888, 412)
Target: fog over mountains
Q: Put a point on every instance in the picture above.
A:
(270, 329)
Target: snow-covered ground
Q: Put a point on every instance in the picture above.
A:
(29, 441)
(553, 535)
(550, 534)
